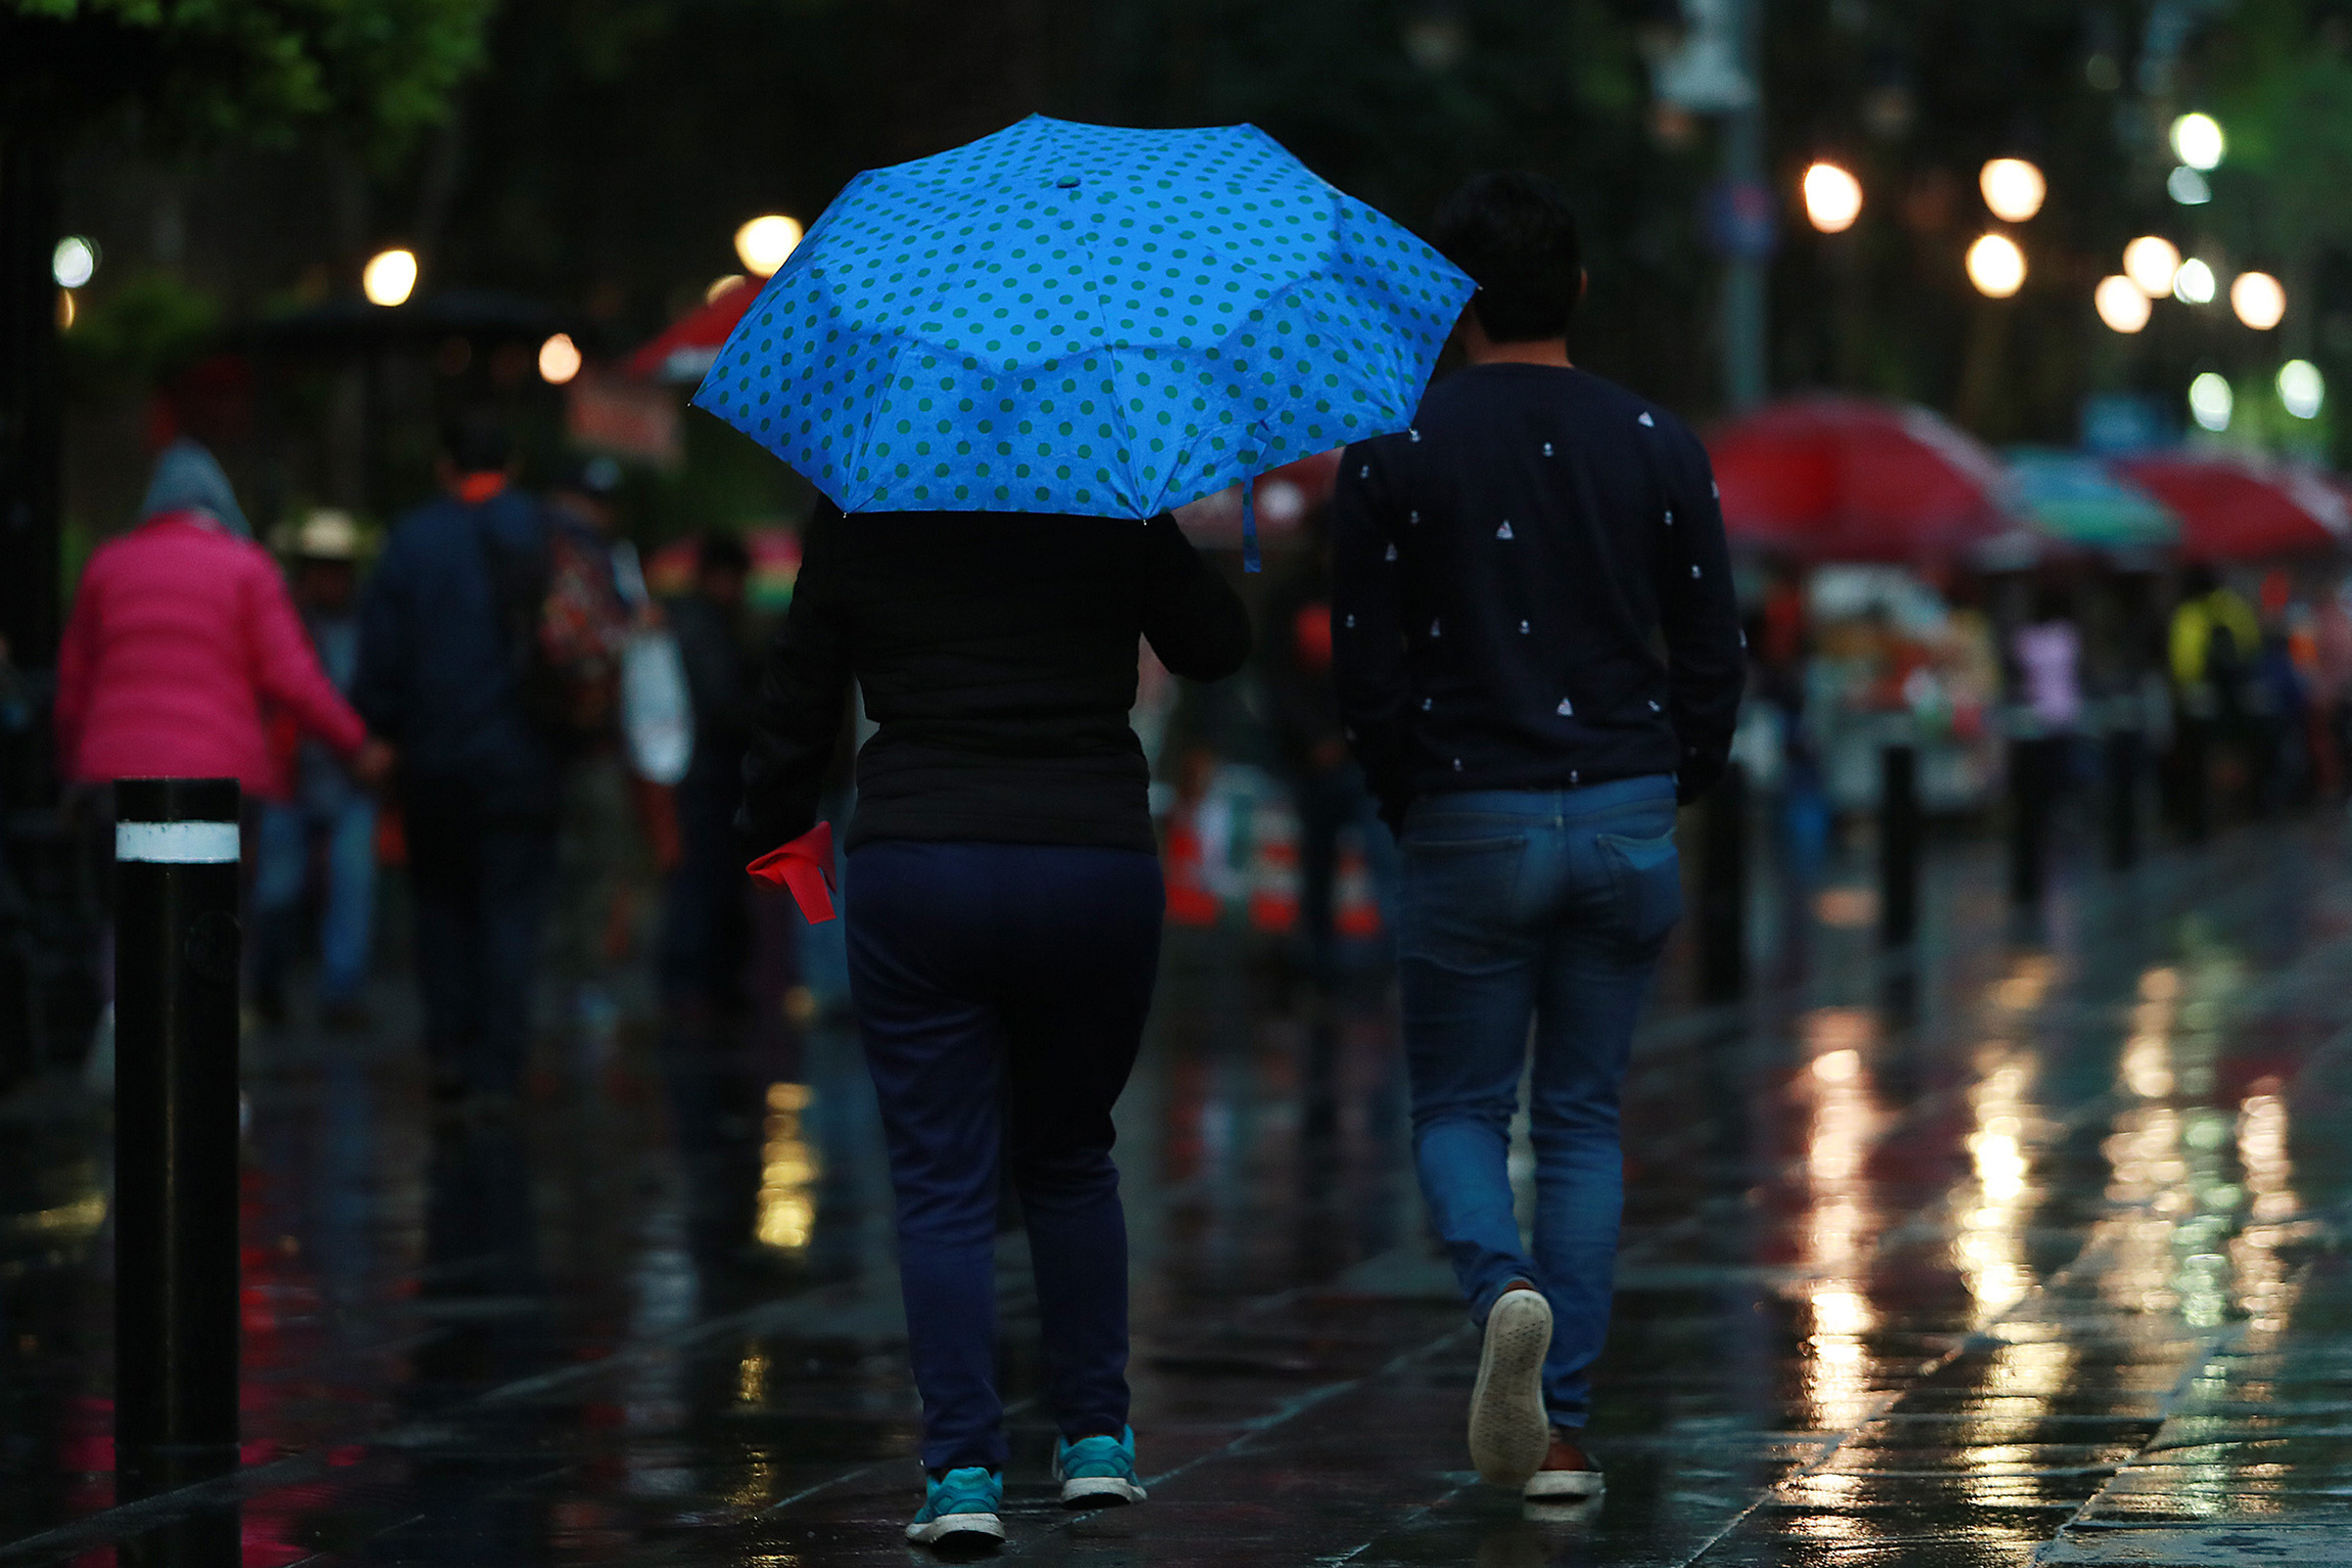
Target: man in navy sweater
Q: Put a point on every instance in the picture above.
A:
(1539, 654)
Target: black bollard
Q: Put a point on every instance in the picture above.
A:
(176, 1154)
(1899, 835)
(2029, 819)
(1723, 888)
(2123, 798)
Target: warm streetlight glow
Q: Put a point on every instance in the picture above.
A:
(2014, 189)
(1997, 266)
(2193, 284)
(2301, 388)
(2259, 300)
(559, 360)
(65, 309)
(2152, 264)
(2210, 402)
(718, 286)
(764, 243)
(390, 277)
(1833, 198)
(74, 262)
(2187, 188)
(2197, 141)
(2121, 304)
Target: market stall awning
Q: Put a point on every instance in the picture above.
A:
(684, 349)
(2080, 502)
(1830, 478)
(2235, 507)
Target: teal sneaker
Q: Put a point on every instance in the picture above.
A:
(959, 1510)
(1098, 1472)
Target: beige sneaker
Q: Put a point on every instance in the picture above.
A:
(1509, 1436)
(1568, 1475)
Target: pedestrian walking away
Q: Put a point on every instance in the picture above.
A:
(1507, 569)
(451, 672)
(1003, 891)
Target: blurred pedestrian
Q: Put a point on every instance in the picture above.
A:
(2332, 679)
(182, 632)
(450, 670)
(2214, 641)
(705, 937)
(1004, 903)
(1539, 654)
(1327, 787)
(601, 860)
(329, 808)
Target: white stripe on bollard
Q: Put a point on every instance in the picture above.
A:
(178, 843)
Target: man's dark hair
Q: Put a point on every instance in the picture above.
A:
(1515, 236)
(722, 552)
(475, 441)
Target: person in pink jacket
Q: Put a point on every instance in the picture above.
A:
(181, 629)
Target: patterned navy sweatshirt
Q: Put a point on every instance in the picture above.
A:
(1533, 593)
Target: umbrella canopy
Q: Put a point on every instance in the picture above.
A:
(2237, 507)
(683, 351)
(1079, 318)
(2077, 501)
(1830, 478)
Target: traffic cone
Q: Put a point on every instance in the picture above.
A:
(1189, 900)
(1359, 914)
(1274, 869)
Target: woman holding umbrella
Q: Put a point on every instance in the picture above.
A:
(1002, 365)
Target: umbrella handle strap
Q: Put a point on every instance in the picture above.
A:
(1249, 523)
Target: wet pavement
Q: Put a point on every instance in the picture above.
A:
(2032, 1249)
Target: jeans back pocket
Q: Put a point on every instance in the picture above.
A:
(1647, 872)
(1459, 897)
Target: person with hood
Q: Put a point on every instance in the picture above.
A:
(181, 630)
(450, 672)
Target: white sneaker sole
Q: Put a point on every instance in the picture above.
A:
(1564, 1486)
(1101, 1491)
(1508, 1435)
(973, 1527)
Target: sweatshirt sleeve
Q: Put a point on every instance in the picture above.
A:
(286, 666)
(797, 721)
(77, 664)
(1699, 616)
(1367, 637)
(1192, 618)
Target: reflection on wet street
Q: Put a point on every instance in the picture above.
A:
(2031, 1250)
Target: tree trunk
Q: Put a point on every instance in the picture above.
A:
(31, 416)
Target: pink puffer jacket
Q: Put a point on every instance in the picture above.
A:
(180, 631)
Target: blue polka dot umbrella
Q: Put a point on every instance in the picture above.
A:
(1079, 318)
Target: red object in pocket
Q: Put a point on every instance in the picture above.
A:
(804, 868)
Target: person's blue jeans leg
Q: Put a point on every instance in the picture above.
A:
(1466, 970)
(1619, 899)
(347, 918)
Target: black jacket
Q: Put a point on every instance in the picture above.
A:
(1533, 593)
(997, 653)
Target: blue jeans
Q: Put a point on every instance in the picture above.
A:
(347, 903)
(1549, 906)
(1000, 992)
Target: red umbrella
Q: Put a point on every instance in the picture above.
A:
(2237, 507)
(1831, 478)
(686, 348)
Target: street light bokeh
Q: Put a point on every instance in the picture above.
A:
(1833, 198)
(2152, 262)
(2259, 300)
(2187, 188)
(559, 360)
(2210, 402)
(765, 242)
(74, 262)
(2197, 141)
(2301, 388)
(722, 285)
(1997, 266)
(2193, 283)
(2121, 304)
(389, 277)
(2014, 189)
